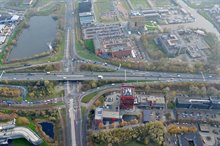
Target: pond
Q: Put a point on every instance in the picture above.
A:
(34, 39)
(48, 129)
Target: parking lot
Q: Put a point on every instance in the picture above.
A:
(198, 115)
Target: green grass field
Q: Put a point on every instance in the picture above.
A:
(21, 142)
(139, 4)
(88, 97)
(24, 142)
(151, 26)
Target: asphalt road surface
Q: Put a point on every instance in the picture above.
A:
(136, 75)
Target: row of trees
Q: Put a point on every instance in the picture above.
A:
(10, 92)
(166, 65)
(43, 68)
(191, 88)
(4, 117)
(174, 129)
(154, 131)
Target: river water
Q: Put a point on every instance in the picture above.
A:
(33, 40)
(200, 22)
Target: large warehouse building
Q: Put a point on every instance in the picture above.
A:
(212, 102)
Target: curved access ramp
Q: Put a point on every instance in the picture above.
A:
(21, 132)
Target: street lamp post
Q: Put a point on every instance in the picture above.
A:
(2, 74)
(125, 76)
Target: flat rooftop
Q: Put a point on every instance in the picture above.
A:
(154, 99)
(192, 100)
(85, 7)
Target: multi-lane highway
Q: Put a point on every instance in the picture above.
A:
(135, 75)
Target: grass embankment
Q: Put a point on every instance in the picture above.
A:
(94, 68)
(88, 97)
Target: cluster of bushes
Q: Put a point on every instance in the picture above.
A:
(174, 129)
(151, 132)
(7, 116)
(9, 92)
(41, 89)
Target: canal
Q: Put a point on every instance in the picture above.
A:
(34, 39)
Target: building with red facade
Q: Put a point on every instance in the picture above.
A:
(127, 97)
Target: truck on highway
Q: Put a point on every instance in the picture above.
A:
(47, 73)
(100, 77)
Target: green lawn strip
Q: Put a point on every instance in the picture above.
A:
(83, 110)
(88, 97)
(21, 142)
(57, 104)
